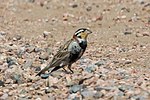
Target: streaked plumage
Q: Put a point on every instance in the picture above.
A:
(70, 52)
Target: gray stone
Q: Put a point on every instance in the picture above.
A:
(99, 88)
(124, 88)
(2, 33)
(11, 61)
(4, 96)
(100, 63)
(98, 95)
(28, 63)
(88, 94)
(89, 8)
(44, 56)
(75, 88)
(90, 68)
(17, 78)
(1, 83)
(17, 37)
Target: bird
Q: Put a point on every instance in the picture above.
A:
(69, 53)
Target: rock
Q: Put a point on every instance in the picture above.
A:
(17, 37)
(89, 8)
(75, 88)
(17, 78)
(37, 69)
(100, 63)
(2, 33)
(30, 1)
(73, 5)
(99, 88)
(73, 96)
(88, 94)
(5, 90)
(91, 68)
(30, 49)
(28, 63)
(1, 83)
(98, 95)
(44, 56)
(124, 88)
(11, 61)
(48, 90)
(4, 96)
(21, 52)
(45, 34)
(127, 32)
(36, 49)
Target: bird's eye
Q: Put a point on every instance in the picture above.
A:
(79, 36)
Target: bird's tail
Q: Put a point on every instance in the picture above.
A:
(42, 71)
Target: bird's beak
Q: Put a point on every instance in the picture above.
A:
(89, 31)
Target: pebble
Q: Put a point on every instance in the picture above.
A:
(4, 96)
(99, 88)
(91, 68)
(73, 5)
(44, 56)
(75, 88)
(46, 33)
(2, 33)
(11, 61)
(28, 63)
(100, 63)
(1, 83)
(88, 94)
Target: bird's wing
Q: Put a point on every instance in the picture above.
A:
(61, 55)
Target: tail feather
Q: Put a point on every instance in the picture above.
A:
(42, 71)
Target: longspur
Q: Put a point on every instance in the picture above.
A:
(70, 52)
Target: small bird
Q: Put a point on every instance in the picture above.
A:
(70, 52)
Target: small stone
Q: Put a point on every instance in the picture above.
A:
(36, 49)
(91, 68)
(17, 78)
(17, 37)
(30, 49)
(48, 90)
(98, 95)
(6, 90)
(73, 5)
(44, 56)
(89, 8)
(46, 33)
(2, 33)
(75, 88)
(4, 96)
(100, 63)
(38, 99)
(99, 88)
(88, 94)
(37, 69)
(1, 83)
(11, 61)
(30, 1)
(28, 63)
(127, 32)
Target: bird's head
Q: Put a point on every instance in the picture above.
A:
(81, 34)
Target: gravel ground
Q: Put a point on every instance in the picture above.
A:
(115, 66)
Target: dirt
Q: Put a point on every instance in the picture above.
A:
(121, 28)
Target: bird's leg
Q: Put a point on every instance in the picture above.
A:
(69, 67)
(64, 69)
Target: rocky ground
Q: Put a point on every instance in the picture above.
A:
(115, 66)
